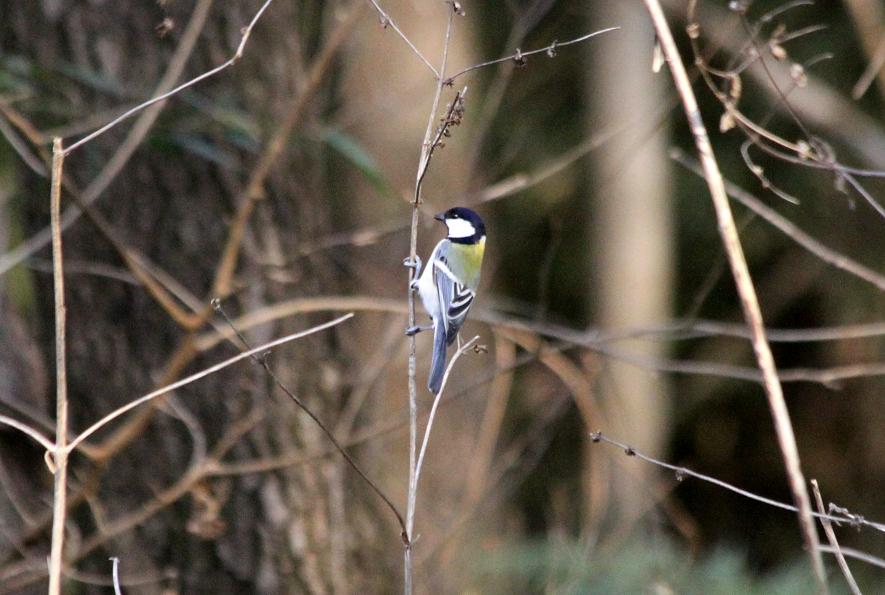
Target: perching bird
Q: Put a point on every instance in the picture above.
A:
(448, 284)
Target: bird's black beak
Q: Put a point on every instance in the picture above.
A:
(440, 217)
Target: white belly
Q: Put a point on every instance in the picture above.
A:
(427, 287)
(427, 291)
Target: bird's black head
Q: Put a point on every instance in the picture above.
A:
(464, 225)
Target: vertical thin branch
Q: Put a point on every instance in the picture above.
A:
(746, 291)
(60, 454)
(423, 163)
(831, 537)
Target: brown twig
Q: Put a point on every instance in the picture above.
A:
(386, 21)
(19, 146)
(135, 262)
(696, 328)
(683, 472)
(452, 117)
(294, 113)
(182, 356)
(59, 453)
(494, 92)
(568, 373)
(519, 57)
(580, 389)
(501, 189)
(746, 290)
(228, 259)
(809, 151)
(592, 339)
(831, 537)
(372, 370)
(273, 463)
(771, 216)
(263, 362)
(203, 467)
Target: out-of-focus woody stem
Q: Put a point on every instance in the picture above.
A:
(746, 291)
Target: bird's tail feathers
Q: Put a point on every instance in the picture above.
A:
(438, 362)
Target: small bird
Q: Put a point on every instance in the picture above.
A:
(448, 285)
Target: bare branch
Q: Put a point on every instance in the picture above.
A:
(386, 21)
(476, 477)
(452, 117)
(25, 428)
(246, 32)
(683, 472)
(746, 290)
(805, 240)
(262, 361)
(594, 339)
(857, 555)
(59, 452)
(826, 158)
(434, 407)
(423, 163)
(519, 57)
(700, 328)
(199, 375)
(834, 543)
(810, 151)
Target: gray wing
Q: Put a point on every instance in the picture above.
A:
(455, 298)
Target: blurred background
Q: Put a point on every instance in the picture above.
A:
(282, 185)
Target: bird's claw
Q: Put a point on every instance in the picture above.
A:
(415, 265)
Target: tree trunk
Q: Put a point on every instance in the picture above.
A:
(631, 226)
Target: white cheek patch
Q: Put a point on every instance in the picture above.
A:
(460, 228)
